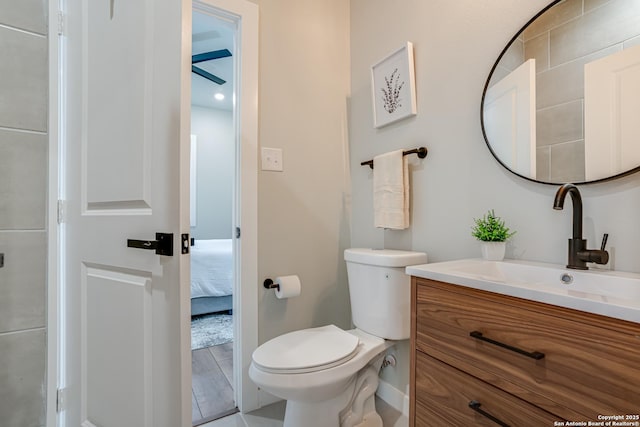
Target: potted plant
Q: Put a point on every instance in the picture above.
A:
(491, 231)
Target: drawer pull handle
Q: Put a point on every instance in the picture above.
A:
(534, 355)
(475, 405)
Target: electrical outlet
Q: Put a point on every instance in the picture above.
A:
(272, 159)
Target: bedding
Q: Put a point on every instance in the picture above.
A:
(211, 268)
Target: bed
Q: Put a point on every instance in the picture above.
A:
(211, 276)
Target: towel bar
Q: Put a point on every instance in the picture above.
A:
(420, 151)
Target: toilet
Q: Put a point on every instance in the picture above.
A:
(327, 375)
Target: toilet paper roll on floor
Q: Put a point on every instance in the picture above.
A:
(288, 286)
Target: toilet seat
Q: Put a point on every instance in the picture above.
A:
(307, 350)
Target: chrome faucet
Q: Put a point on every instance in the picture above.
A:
(579, 255)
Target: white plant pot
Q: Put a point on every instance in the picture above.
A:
(493, 251)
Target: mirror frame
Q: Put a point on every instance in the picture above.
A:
(484, 93)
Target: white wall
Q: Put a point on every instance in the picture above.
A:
(303, 211)
(215, 172)
(456, 43)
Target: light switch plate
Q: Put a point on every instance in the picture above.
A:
(272, 159)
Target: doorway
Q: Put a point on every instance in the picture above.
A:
(243, 15)
(213, 164)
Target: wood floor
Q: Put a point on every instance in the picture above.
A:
(212, 375)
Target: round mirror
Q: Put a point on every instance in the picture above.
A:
(562, 102)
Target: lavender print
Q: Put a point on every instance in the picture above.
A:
(391, 92)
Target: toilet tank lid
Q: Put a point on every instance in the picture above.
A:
(384, 257)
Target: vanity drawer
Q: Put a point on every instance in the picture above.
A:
(591, 364)
(444, 394)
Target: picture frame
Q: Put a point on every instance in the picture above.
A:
(393, 87)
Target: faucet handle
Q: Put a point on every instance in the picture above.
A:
(605, 236)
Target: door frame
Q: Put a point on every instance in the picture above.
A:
(245, 193)
(54, 369)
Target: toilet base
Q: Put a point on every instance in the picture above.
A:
(317, 414)
(353, 407)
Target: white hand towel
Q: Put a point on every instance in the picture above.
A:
(391, 191)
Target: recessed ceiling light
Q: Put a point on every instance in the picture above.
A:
(219, 96)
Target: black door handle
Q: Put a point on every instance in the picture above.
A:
(163, 245)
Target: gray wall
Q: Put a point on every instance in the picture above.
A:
(215, 172)
(23, 192)
(456, 43)
(303, 212)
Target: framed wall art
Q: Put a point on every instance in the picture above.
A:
(393, 87)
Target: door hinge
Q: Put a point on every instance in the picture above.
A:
(238, 232)
(62, 211)
(60, 23)
(61, 395)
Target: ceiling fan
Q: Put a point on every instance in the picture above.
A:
(209, 56)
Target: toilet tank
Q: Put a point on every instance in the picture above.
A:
(380, 291)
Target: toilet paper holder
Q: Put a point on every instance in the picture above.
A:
(270, 284)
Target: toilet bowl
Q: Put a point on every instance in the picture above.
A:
(316, 395)
(328, 375)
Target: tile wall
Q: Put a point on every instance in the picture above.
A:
(23, 190)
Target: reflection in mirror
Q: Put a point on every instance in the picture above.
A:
(561, 104)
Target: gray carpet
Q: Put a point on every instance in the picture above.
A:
(210, 330)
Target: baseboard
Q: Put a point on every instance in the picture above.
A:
(394, 397)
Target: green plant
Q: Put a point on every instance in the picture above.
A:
(491, 228)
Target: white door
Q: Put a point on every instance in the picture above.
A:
(611, 105)
(510, 119)
(125, 352)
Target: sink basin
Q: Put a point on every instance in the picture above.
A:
(609, 293)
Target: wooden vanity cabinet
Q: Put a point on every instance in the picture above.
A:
(477, 355)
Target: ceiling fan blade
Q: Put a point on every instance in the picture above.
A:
(207, 75)
(208, 56)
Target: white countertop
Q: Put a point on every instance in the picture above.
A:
(609, 293)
